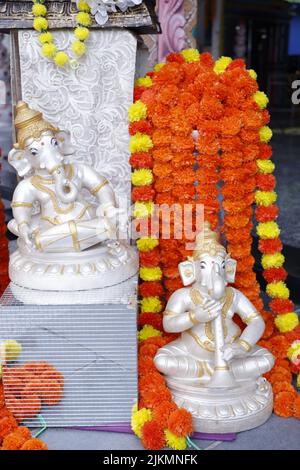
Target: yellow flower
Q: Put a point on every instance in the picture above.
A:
(142, 177)
(79, 48)
(265, 166)
(140, 143)
(139, 418)
(266, 230)
(298, 381)
(81, 33)
(287, 322)
(151, 304)
(175, 442)
(147, 243)
(144, 81)
(272, 261)
(49, 49)
(39, 10)
(45, 37)
(222, 64)
(265, 134)
(137, 111)
(61, 59)
(150, 274)
(252, 74)
(12, 349)
(261, 99)
(148, 332)
(83, 18)
(40, 24)
(278, 290)
(83, 6)
(265, 198)
(159, 66)
(190, 55)
(143, 209)
(294, 350)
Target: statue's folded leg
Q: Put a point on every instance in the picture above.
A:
(258, 362)
(174, 360)
(71, 236)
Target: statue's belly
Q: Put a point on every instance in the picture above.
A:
(200, 339)
(59, 213)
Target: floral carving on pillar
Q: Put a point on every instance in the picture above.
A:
(177, 19)
(172, 20)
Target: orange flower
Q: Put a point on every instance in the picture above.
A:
(173, 284)
(175, 57)
(150, 258)
(162, 154)
(152, 398)
(34, 444)
(278, 345)
(144, 193)
(281, 306)
(7, 425)
(284, 404)
(240, 250)
(140, 126)
(180, 423)
(146, 365)
(252, 119)
(162, 137)
(141, 160)
(150, 318)
(283, 386)
(168, 95)
(275, 274)
(266, 214)
(164, 184)
(162, 169)
(265, 151)
(16, 439)
(151, 289)
(297, 407)
(152, 380)
(265, 182)
(153, 437)
(269, 327)
(181, 143)
(270, 246)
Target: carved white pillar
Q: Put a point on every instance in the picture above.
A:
(91, 101)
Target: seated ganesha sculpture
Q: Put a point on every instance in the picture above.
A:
(65, 241)
(213, 369)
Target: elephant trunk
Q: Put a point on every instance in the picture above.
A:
(218, 283)
(66, 190)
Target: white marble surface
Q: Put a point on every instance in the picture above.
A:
(91, 101)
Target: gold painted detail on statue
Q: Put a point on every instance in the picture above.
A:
(196, 297)
(250, 317)
(207, 345)
(74, 234)
(193, 318)
(245, 345)
(21, 204)
(98, 188)
(38, 185)
(170, 313)
(37, 240)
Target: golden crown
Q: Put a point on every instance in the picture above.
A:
(29, 124)
(207, 242)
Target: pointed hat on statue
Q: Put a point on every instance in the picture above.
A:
(29, 124)
(207, 243)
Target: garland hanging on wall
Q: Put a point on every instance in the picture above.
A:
(222, 103)
(81, 33)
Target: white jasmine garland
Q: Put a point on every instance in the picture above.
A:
(101, 8)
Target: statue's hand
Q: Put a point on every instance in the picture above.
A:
(25, 232)
(210, 309)
(232, 350)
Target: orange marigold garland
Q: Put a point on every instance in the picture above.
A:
(194, 123)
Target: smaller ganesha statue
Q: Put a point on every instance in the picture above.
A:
(65, 241)
(213, 369)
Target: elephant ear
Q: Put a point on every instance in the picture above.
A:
(19, 160)
(64, 142)
(187, 272)
(230, 269)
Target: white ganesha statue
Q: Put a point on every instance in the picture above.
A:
(65, 241)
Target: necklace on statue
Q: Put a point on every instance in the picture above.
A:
(81, 33)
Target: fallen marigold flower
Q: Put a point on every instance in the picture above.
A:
(34, 444)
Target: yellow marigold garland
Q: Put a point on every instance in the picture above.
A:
(265, 197)
(81, 32)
